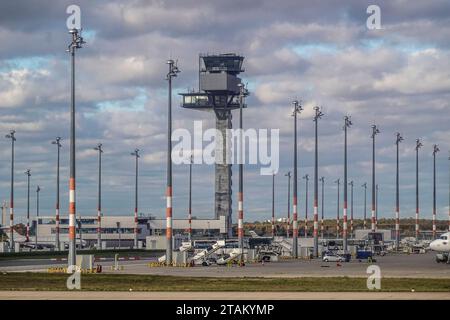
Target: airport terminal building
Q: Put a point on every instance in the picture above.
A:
(119, 230)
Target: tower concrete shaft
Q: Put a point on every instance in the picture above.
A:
(223, 172)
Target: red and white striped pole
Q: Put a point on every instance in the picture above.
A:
(288, 226)
(297, 109)
(418, 145)
(317, 116)
(28, 174)
(273, 205)
(77, 42)
(11, 136)
(136, 192)
(190, 198)
(306, 177)
(242, 94)
(374, 133)
(58, 145)
(435, 151)
(351, 209)
(347, 124)
(173, 70)
(99, 197)
(397, 194)
(322, 227)
(338, 181)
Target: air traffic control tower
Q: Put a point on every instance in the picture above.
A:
(219, 91)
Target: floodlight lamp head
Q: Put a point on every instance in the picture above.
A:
(318, 114)
(38, 189)
(28, 172)
(348, 121)
(418, 144)
(375, 130)
(435, 149)
(297, 107)
(399, 138)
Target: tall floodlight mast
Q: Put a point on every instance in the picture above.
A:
(57, 142)
(297, 109)
(219, 91)
(136, 156)
(28, 174)
(173, 71)
(11, 136)
(435, 151)
(99, 196)
(77, 42)
(322, 179)
(365, 205)
(338, 182)
(375, 131)
(243, 92)
(418, 145)
(399, 139)
(273, 205)
(347, 124)
(191, 159)
(449, 192)
(318, 114)
(306, 178)
(38, 190)
(288, 225)
(351, 209)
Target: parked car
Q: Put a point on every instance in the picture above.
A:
(330, 257)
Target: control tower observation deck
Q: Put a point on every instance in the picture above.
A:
(219, 91)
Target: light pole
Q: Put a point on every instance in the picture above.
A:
(376, 207)
(297, 109)
(288, 227)
(118, 232)
(38, 190)
(273, 205)
(57, 142)
(322, 179)
(351, 209)
(136, 156)
(173, 70)
(365, 204)
(347, 124)
(449, 192)
(77, 42)
(28, 174)
(190, 198)
(399, 139)
(80, 231)
(338, 182)
(418, 145)
(435, 151)
(317, 116)
(242, 94)
(375, 131)
(11, 136)
(99, 197)
(306, 177)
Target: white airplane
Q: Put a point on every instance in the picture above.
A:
(442, 245)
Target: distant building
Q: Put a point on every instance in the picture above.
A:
(121, 227)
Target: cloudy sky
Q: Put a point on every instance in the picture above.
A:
(321, 52)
